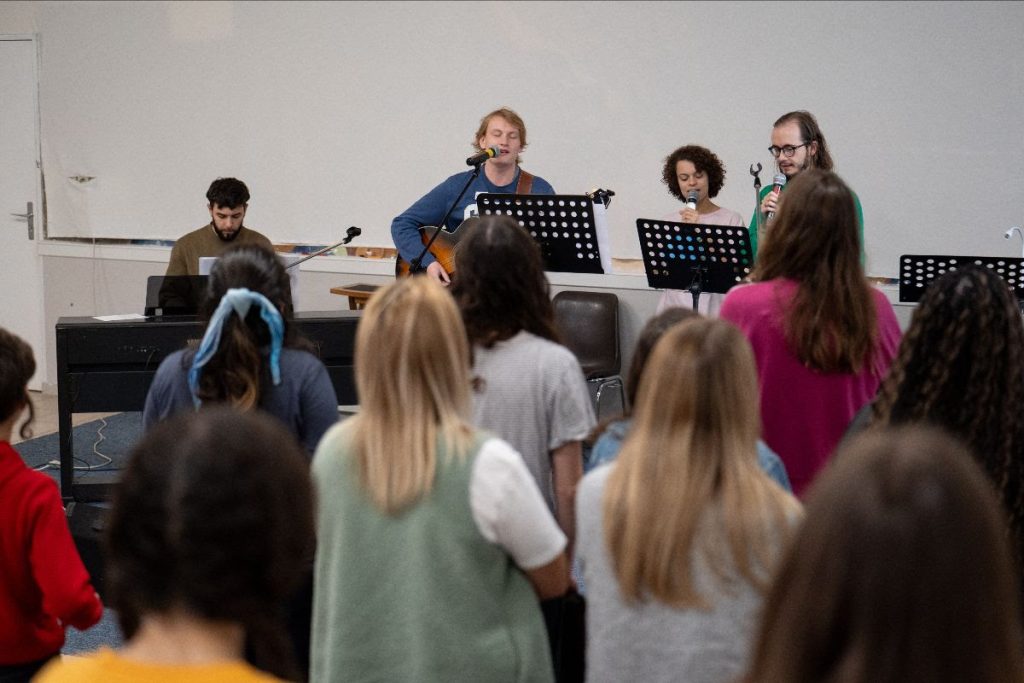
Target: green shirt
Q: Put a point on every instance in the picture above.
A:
(418, 596)
(768, 188)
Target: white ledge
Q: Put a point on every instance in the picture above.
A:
(355, 265)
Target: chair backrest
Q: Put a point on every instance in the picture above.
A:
(589, 322)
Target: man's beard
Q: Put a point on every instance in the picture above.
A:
(225, 237)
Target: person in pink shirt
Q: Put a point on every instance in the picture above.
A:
(44, 587)
(695, 169)
(823, 337)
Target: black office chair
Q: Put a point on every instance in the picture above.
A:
(589, 322)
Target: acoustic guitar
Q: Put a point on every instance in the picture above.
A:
(443, 247)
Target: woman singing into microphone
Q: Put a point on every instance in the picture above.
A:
(695, 173)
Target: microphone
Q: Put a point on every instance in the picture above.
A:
(691, 199)
(482, 156)
(779, 182)
(350, 235)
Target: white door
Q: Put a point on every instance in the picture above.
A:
(21, 282)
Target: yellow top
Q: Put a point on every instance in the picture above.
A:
(107, 665)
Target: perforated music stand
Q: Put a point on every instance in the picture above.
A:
(694, 257)
(918, 270)
(561, 224)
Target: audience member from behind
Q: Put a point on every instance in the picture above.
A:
(611, 437)
(250, 356)
(822, 335)
(688, 171)
(961, 366)
(434, 543)
(530, 389)
(44, 587)
(901, 573)
(209, 530)
(228, 200)
(678, 538)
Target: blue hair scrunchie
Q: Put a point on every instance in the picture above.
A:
(239, 301)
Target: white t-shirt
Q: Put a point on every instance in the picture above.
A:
(508, 508)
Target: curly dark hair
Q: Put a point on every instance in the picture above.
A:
(227, 193)
(17, 365)
(703, 159)
(961, 366)
(499, 283)
(237, 373)
(214, 515)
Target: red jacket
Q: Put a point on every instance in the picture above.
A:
(43, 585)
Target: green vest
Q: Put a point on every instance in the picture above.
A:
(421, 596)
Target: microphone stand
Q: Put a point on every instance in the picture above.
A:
(348, 239)
(416, 265)
(758, 218)
(697, 284)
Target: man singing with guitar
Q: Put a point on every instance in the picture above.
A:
(501, 129)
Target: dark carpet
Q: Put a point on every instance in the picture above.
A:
(112, 437)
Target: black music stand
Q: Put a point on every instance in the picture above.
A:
(561, 224)
(694, 257)
(918, 270)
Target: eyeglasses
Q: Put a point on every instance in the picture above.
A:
(786, 151)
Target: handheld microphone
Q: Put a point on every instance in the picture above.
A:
(691, 199)
(482, 156)
(779, 182)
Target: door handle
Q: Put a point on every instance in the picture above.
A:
(28, 216)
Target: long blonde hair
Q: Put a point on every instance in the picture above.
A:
(412, 374)
(693, 445)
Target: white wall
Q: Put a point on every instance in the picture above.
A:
(341, 114)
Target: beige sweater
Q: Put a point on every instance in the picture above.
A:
(205, 242)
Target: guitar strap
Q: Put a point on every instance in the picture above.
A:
(525, 183)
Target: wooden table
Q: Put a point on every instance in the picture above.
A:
(358, 294)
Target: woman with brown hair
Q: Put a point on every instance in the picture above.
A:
(900, 573)
(530, 389)
(695, 172)
(251, 356)
(434, 543)
(961, 366)
(678, 537)
(208, 533)
(822, 336)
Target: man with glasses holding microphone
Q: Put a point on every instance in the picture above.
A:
(797, 144)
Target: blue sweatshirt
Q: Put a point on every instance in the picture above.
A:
(430, 208)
